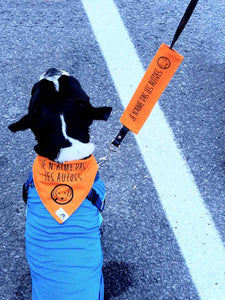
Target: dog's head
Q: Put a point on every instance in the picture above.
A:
(59, 114)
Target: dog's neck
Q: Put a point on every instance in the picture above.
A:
(76, 151)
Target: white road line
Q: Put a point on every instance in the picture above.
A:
(192, 224)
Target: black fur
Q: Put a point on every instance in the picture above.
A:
(46, 106)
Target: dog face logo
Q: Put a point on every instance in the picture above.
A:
(164, 62)
(62, 194)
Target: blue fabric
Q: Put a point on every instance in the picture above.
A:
(65, 259)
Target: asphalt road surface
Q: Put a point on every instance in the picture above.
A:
(146, 256)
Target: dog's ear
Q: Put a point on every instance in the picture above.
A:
(101, 113)
(95, 113)
(26, 121)
(23, 124)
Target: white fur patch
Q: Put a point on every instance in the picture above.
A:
(77, 150)
(55, 78)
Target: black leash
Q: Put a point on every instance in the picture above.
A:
(184, 21)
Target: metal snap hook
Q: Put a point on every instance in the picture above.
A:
(104, 159)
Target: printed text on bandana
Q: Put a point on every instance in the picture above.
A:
(74, 175)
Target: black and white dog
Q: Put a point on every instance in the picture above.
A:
(65, 259)
(60, 114)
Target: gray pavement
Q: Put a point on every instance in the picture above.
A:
(142, 257)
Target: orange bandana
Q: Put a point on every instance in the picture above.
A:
(63, 187)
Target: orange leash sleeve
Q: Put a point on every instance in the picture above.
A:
(156, 78)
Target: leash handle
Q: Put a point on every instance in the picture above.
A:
(184, 21)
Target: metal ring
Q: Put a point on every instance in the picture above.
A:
(112, 147)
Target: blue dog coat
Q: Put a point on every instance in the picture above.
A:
(65, 259)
